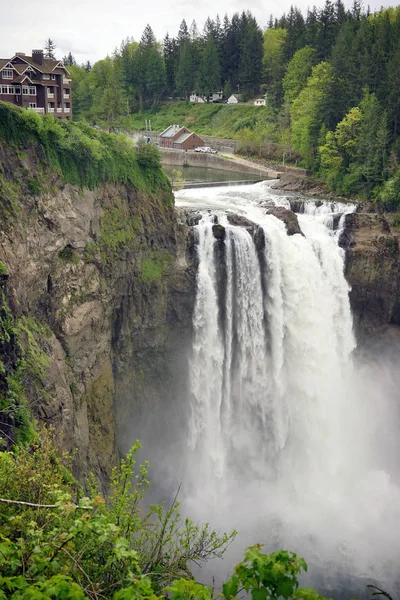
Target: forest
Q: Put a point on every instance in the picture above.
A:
(330, 79)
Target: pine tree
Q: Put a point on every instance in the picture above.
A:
(184, 75)
(251, 55)
(49, 47)
(209, 76)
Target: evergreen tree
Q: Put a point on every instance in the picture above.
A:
(298, 71)
(184, 75)
(69, 60)
(251, 55)
(148, 70)
(49, 47)
(209, 76)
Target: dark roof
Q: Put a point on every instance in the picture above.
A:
(3, 62)
(49, 64)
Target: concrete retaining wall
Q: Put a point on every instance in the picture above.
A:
(211, 161)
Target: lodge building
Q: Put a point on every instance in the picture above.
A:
(36, 82)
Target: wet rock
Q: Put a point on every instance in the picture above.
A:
(193, 219)
(256, 232)
(218, 232)
(288, 217)
(240, 221)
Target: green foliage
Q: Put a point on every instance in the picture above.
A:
(68, 254)
(3, 268)
(118, 229)
(265, 576)
(72, 546)
(15, 418)
(390, 194)
(154, 266)
(310, 113)
(84, 156)
(33, 186)
(298, 71)
(177, 179)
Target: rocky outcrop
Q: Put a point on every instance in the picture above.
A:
(371, 242)
(102, 283)
(288, 217)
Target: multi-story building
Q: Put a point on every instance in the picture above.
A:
(36, 82)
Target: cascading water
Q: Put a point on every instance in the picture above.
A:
(284, 434)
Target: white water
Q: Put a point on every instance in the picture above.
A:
(285, 434)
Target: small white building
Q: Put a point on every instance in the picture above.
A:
(259, 102)
(234, 99)
(195, 98)
(215, 96)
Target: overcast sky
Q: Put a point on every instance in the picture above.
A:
(91, 29)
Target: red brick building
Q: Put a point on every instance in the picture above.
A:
(36, 82)
(179, 138)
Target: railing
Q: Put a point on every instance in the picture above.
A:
(65, 80)
(66, 96)
(59, 110)
(50, 95)
(67, 110)
(50, 110)
(38, 110)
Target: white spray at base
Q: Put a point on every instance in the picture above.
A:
(285, 431)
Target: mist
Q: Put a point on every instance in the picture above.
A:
(285, 430)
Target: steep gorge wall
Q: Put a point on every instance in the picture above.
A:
(371, 241)
(101, 287)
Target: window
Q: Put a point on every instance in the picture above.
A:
(32, 91)
(4, 89)
(32, 105)
(52, 76)
(10, 89)
(7, 74)
(17, 90)
(25, 91)
(45, 76)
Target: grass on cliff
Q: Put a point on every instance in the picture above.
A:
(219, 120)
(84, 156)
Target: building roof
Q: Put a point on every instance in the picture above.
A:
(49, 64)
(3, 62)
(183, 137)
(237, 96)
(21, 79)
(170, 131)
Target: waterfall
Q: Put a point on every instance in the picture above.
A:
(282, 435)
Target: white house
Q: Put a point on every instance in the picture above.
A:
(195, 98)
(215, 96)
(234, 99)
(259, 102)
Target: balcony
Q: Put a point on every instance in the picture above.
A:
(50, 110)
(66, 96)
(67, 110)
(37, 110)
(50, 95)
(65, 80)
(59, 110)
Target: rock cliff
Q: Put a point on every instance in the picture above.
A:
(371, 242)
(100, 286)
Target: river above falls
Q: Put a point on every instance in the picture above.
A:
(206, 175)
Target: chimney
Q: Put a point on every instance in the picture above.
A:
(20, 54)
(37, 56)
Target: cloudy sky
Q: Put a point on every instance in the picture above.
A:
(91, 29)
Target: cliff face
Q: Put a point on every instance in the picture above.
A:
(371, 242)
(101, 288)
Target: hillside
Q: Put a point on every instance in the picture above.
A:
(218, 120)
